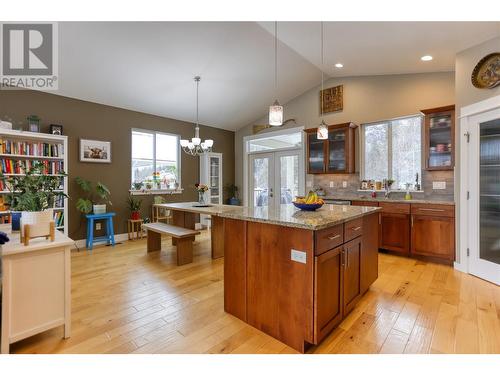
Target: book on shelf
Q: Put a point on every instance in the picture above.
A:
(26, 148)
(59, 218)
(11, 166)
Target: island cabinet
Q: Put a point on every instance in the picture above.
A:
(297, 284)
(395, 227)
(334, 155)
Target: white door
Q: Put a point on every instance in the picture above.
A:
(484, 195)
(275, 177)
(261, 181)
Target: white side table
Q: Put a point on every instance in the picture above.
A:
(36, 290)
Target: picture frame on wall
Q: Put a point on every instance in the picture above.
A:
(56, 129)
(94, 151)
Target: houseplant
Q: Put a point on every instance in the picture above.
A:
(201, 188)
(134, 205)
(95, 197)
(232, 194)
(34, 194)
(137, 185)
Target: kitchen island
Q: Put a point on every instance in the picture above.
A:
(294, 274)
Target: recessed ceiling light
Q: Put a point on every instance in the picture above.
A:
(339, 65)
(426, 58)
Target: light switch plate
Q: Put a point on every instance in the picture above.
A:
(97, 226)
(332, 184)
(344, 184)
(298, 256)
(438, 185)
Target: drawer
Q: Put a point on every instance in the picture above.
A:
(395, 208)
(328, 238)
(365, 203)
(353, 229)
(445, 210)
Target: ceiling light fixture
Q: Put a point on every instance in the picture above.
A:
(426, 58)
(196, 147)
(276, 110)
(339, 65)
(322, 132)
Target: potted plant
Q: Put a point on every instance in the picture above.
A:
(95, 199)
(201, 188)
(134, 206)
(34, 195)
(148, 183)
(137, 185)
(232, 193)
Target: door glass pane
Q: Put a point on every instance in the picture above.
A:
(316, 154)
(440, 140)
(336, 151)
(261, 182)
(489, 187)
(406, 150)
(376, 149)
(275, 142)
(289, 178)
(214, 179)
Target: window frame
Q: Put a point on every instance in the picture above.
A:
(389, 144)
(154, 133)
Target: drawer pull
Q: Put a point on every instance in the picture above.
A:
(432, 209)
(331, 238)
(355, 229)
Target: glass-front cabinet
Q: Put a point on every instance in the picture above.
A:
(333, 155)
(211, 175)
(440, 138)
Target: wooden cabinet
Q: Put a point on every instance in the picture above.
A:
(395, 227)
(433, 234)
(334, 155)
(352, 274)
(365, 203)
(327, 292)
(439, 138)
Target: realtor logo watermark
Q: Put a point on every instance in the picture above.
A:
(29, 56)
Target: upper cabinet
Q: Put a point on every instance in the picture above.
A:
(333, 155)
(439, 141)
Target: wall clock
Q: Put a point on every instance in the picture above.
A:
(486, 74)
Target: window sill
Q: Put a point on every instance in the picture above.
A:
(156, 191)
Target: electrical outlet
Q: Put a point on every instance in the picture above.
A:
(332, 184)
(344, 184)
(309, 184)
(97, 226)
(298, 256)
(438, 185)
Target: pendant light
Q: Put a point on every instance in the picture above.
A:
(322, 132)
(196, 146)
(276, 110)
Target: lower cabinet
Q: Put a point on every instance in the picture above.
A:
(352, 274)
(328, 291)
(395, 232)
(433, 236)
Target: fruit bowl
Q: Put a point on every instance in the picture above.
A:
(307, 207)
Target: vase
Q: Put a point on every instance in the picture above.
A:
(201, 197)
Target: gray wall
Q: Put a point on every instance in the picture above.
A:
(366, 99)
(82, 119)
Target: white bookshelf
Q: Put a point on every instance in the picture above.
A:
(29, 137)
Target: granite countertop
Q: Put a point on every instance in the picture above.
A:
(381, 198)
(210, 209)
(290, 216)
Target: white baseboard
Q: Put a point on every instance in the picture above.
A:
(118, 238)
(462, 267)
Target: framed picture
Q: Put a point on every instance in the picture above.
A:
(332, 99)
(95, 151)
(56, 129)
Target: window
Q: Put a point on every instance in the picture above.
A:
(393, 150)
(155, 152)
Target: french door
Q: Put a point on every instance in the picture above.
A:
(483, 152)
(275, 178)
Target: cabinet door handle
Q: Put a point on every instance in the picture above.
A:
(412, 221)
(347, 259)
(355, 229)
(342, 253)
(432, 209)
(379, 219)
(331, 238)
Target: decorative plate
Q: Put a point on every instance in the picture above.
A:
(486, 74)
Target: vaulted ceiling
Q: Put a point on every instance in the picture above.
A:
(149, 66)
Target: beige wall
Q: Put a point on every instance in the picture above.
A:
(467, 94)
(366, 99)
(82, 119)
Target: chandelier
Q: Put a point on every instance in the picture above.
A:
(322, 132)
(196, 147)
(276, 110)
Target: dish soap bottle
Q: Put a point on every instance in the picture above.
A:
(408, 195)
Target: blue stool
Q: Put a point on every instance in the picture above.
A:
(110, 234)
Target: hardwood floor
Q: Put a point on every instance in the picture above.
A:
(127, 301)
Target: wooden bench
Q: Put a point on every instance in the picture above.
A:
(183, 239)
